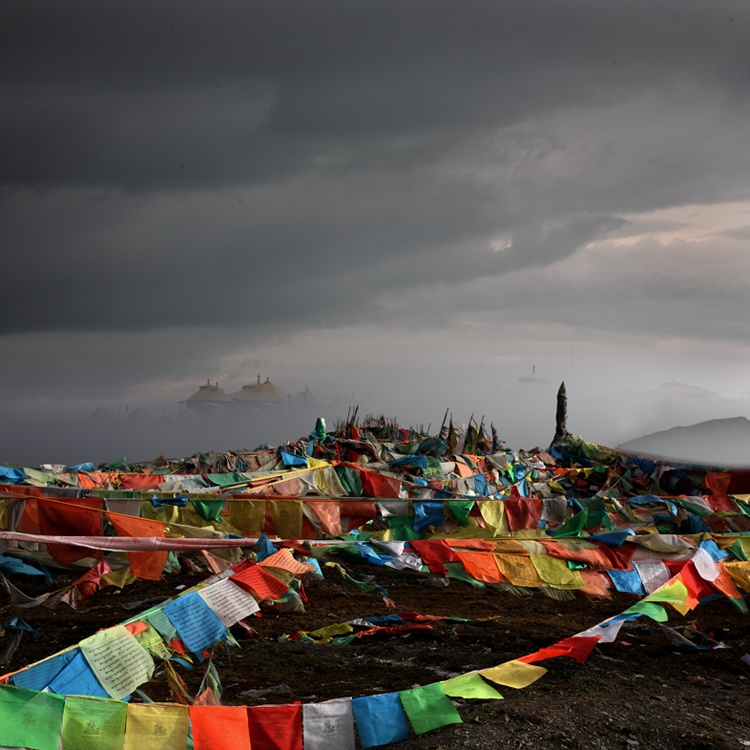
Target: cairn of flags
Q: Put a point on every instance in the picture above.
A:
(575, 518)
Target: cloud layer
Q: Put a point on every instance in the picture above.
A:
(190, 190)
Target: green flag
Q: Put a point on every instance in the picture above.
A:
(470, 686)
(654, 611)
(573, 526)
(460, 510)
(29, 718)
(429, 708)
(208, 510)
(94, 724)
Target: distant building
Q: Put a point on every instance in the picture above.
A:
(208, 400)
(264, 397)
(532, 378)
(259, 392)
(674, 389)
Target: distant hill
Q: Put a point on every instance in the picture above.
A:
(724, 442)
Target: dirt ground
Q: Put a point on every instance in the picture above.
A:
(646, 694)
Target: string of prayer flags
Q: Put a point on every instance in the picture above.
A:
(435, 552)
(514, 673)
(229, 601)
(428, 513)
(723, 584)
(706, 566)
(93, 724)
(697, 588)
(119, 662)
(198, 625)
(29, 718)
(579, 550)
(429, 708)
(156, 726)
(275, 727)
(119, 578)
(328, 725)
(523, 512)
(380, 720)
(220, 727)
(177, 685)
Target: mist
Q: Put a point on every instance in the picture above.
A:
(518, 401)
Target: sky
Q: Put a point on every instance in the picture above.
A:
(400, 205)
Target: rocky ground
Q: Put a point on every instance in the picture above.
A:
(637, 693)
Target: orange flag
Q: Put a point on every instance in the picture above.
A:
(220, 727)
(146, 565)
(261, 584)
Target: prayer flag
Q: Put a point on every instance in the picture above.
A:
(328, 725)
(146, 565)
(77, 678)
(93, 724)
(156, 726)
(380, 720)
(261, 583)
(275, 727)
(429, 708)
(470, 686)
(29, 719)
(229, 601)
(198, 625)
(220, 727)
(514, 673)
(119, 662)
(577, 647)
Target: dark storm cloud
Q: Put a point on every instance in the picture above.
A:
(178, 174)
(178, 95)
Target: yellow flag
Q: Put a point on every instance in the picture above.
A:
(556, 573)
(674, 593)
(493, 513)
(156, 726)
(247, 515)
(515, 674)
(520, 571)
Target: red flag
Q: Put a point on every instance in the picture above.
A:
(577, 647)
(275, 727)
